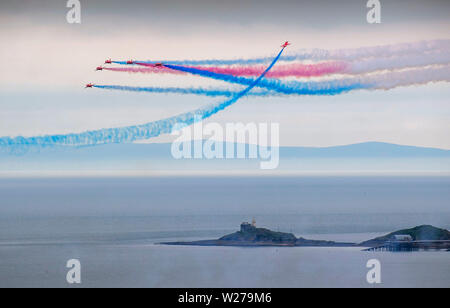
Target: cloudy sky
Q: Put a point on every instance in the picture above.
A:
(46, 62)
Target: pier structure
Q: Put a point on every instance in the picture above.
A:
(397, 246)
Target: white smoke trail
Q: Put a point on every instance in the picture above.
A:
(349, 54)
(409, 78)
(400, 62)
(386, 51)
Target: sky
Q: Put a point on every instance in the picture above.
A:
(47, 61)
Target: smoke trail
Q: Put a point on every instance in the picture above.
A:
(292, 70)
(327, 87)
(304, 88)
(132, 133)
(393, 63)
(146, 70)
(383, 81)
(309, 70)
(194, 91)
(396, 50)
(408, 78)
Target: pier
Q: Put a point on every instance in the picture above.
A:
(397, 246)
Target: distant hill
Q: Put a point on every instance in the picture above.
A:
(160, 150)
(155, 157)
(367, 149)
(420, 233)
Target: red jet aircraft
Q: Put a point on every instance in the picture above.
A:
(100, 68)
(130, 62)
(89, 85)
(286, 44)
(108, 61)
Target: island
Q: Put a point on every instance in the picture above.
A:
(424, 237)
(417, 238)
(251, 236)
(420, 233)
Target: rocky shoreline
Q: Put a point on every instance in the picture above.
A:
(300, 243)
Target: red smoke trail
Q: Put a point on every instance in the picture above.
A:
(291, 70)
(288, 70)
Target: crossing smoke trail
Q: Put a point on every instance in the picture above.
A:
(271, 84)
(292, 70)
(329, 87)
(309, 70)
(396, 50)
(132, 133)
(306, 88)
(383, 81)
(356, 66)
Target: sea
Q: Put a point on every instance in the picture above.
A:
(113, 227)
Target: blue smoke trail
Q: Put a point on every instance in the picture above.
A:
(212, 62)
(332, 87)
(130, 133)
(305, 88)
(194, 91)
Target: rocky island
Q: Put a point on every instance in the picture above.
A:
(424, 237)
(251, 236)
(420, 233)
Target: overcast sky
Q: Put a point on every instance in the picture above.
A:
(46, 62)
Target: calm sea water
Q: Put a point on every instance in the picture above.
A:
(112, 226)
